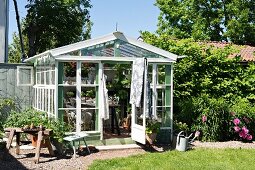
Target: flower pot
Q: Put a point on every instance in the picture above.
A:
(151, 138)
(34, 140)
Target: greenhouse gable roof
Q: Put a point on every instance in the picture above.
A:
(106, 46)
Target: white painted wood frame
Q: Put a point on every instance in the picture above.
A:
(78, 96)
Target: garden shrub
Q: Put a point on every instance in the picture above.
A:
(242, 119)
(209, 70)
(213, 118)
(219, 119)
(6, 105)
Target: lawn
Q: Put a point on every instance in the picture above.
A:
(193, 159)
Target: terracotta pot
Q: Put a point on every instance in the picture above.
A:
(34, 141)
(151, 138)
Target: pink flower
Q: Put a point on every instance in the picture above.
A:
(197, 133)
(249, 137)
(245, 130)
(237, 128)
(242, 135)
(236, 121)
(204, 118)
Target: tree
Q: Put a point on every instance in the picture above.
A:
(215, 20)
(14, 52)
(205, 70)
(49, 24)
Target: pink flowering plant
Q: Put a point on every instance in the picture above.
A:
(241, 128)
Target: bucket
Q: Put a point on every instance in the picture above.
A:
(182, 142)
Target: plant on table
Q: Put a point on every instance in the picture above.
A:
(31, 118)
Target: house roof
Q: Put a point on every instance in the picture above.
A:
(128, 47)
(247, 53)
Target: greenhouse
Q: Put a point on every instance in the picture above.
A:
(90, 85)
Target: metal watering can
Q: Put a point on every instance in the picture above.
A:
(182, 141)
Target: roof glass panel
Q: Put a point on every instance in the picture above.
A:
(118, 48)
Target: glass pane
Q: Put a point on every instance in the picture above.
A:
(88, 119)
(38, 78)
(52, 77)
(47, 77)
(70, 118)
(160, 97)
(139, 116)
(161, 74)
(69, 73)
(150, 73)
(110, 73)
(88, 73)
(160, 112)
(42, 76)
(46, 95)
(88, 96)
(69, 98)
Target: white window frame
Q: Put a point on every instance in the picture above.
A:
(31, 68)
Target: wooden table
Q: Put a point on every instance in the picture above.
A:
(41, 135)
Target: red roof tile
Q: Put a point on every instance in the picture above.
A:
(247, 52)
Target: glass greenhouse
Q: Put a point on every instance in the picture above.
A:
(70, 82)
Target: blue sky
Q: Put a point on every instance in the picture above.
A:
(131, 16)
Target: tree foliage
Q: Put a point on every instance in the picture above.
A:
(206, 69)
(208, 83)
(14, 49)
(50, 24)
(215, 20)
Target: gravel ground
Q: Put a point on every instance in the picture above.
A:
(228, 144)
(25, 160)
(12, 161)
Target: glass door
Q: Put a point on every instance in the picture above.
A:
(138, 124)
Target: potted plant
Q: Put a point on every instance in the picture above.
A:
(152, 128)
(70, 94)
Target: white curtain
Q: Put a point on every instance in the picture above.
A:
(103, 99)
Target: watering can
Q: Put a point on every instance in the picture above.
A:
(182, 141)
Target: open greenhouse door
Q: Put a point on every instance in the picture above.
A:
(138, 100)
(138, 125)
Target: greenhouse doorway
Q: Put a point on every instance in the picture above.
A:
(118, 80)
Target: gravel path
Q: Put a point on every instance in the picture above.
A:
(24, 161)
(228, 144)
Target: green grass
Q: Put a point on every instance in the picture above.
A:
(194, 159)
